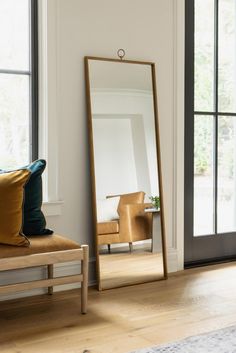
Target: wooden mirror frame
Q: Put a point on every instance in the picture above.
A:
(92, 164)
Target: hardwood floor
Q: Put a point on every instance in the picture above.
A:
(121, 320)
(119, 269)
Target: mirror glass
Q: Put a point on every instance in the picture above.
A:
(123, 135)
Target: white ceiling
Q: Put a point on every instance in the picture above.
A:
(119, 75)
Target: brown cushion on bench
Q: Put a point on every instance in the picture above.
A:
(39, 244)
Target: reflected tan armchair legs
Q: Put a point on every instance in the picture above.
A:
(130, 247)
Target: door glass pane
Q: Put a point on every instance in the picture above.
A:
(227, 56)
(226, 174)
(203, 175)
(14, 34)
(14, 121)
(204, 55)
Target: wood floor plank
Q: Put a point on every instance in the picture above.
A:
(119, 269)
(121, 320)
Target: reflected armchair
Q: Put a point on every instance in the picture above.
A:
(133, 223)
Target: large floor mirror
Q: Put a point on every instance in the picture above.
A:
(126, 172)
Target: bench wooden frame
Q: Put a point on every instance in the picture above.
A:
(49, 259)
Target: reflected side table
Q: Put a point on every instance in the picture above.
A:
(156, 229)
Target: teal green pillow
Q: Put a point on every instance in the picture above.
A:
(34, 220)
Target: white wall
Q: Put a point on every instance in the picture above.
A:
(115, 167)
(139, 106)
(149, 30)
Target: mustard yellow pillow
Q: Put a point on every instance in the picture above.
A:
(11, 207)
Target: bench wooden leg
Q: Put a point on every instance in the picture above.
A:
(50, 276)
(84, 284)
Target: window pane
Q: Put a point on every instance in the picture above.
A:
(227, 56)
(226, 174)
(204, 55)
(14, 34)
(14, 120)
(203, 175)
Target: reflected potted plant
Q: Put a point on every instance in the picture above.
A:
(155, 201)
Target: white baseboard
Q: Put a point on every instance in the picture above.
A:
(172, 260)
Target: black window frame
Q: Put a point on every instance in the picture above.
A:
(34, 140)
(33, 79)
(195, 245)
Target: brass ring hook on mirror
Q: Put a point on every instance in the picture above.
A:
(121, 53)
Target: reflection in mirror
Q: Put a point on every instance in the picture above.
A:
(129, 228)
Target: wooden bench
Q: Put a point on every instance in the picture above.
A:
(46, 251)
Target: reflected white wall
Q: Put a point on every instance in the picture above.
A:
(115, 168)
(139, 107)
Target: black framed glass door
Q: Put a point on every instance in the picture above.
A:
(210, 130)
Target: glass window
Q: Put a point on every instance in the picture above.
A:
(18, 86)
(214, 117)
